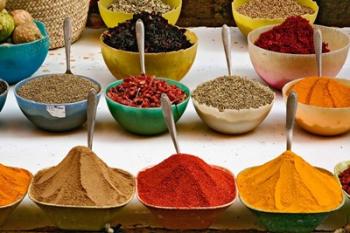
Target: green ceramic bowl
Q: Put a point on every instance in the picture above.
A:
(144, 121)
(339, 168)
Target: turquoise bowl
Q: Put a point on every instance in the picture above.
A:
(20, 61)
(144, 121)
(54, 117)
(3, 96)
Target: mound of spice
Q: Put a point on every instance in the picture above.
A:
(323, 92)
(344, 178)
(138, 6)
(159, 35)
(294, 35)
(291, 185)
(83, 179)
(14, 183)
(145, 92)
(57, 89)
(273, 9)
(3, 87)
(185, 181)
(233, 92)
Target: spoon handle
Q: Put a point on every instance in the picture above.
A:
(140, 36)
(67, 29)
(91, 116)
(318, 50)
(290, 121)
(226, 40)
(169, 120)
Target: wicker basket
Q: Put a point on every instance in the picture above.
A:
(53, 13)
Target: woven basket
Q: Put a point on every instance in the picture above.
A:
(53, 13)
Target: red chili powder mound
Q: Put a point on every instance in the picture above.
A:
(294, 35)
(185, 181)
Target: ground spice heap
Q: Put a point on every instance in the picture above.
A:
(289, 184)
(138, 6)
(295, 35)
(344, 178)
(159, 35)
(82, 179)
(14, 184)
(233, 93)
(185, 181)
(273, 9)
(145, 92)
(3, 87)
(323, 92)
(57, 89)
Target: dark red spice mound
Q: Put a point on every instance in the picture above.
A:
(145, 91)
(185, 181)
(344, 178)
(295, 35)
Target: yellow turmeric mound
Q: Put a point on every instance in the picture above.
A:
(289, 184)
(323, 92)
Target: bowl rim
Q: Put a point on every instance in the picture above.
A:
(288, 86)
(226, 205)
(337, 173)
(194, 44)
(31, 197)
(183, 87)
(21, 83)
(262, 30)
(303, 213)
(44, 36)
(7, 88)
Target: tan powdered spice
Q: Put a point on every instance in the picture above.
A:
(83, 179)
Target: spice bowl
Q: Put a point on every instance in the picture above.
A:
(321, 120)
(247, 24)
(339, 168)
(54, 117)
(187, 218)
(20, 61)
(144, 121)
(279, 68)
(173, 65)
(3, 95)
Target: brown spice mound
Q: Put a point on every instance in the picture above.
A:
(3, 87)
(83, 179)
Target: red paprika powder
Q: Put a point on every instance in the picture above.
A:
(294, 35)
(185, 181)
(344, 178)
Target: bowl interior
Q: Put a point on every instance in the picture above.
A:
(339, 168)
(7, 88)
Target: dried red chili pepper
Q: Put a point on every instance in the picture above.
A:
(295, 35)
(344, 178)
(145, 92)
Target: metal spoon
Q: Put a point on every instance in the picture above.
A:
(140, 36)
(67, 29)
(91, 115)
(318, 50)
(290, 121)
(169, 120)
(226, 40)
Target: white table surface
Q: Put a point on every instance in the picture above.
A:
(23, 145)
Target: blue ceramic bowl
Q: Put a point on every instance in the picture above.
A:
(20, 61)
(3, 96)
(54, 117)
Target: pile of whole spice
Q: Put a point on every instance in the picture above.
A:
(57, 89)
(159, 35)
(14, 183)
(344, 178)
(233, 92)
(323, 92)
(82, 179)
(3, 87)
(289, 184)
(294, 35)
(138, 6)
(185, 181)
(273, 9)
(145, 92)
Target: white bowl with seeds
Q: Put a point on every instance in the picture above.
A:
(232, 105)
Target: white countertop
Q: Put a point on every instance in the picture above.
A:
(23, 145)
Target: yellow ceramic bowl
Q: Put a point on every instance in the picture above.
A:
(247, 24)
(172, 65)
(320, 120)
(112, 18)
